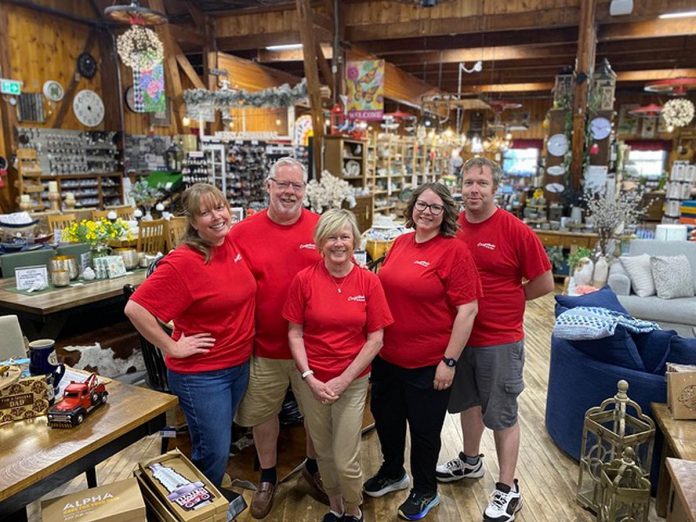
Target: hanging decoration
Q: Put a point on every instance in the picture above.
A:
(140, 48)
(678, 112)
(152, 89)
(281, 96)
(365, 89)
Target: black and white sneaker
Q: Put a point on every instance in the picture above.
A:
(380, 485)
(458, 468)
(504, 504)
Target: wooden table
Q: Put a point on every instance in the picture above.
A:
(682, 495)
(43, 315)
(34, 458)
(679, 441)
(570, 240)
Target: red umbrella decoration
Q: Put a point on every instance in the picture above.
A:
(399, 115)
(647, 111)
(673, 86)
(499, 106)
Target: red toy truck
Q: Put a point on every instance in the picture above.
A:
(79, 399)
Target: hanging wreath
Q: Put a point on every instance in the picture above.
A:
(140, 48)
(678, 112)
(281, 96)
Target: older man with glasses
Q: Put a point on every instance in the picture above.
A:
(276, 243)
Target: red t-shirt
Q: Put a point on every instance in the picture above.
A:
(215, 298)
(335, 325)
(275, 253)
(505, 251)
(424, 283)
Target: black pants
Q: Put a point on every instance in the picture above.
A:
(400, 395)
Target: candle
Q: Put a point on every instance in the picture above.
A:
(53, 186)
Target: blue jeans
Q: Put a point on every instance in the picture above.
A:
(210, 400)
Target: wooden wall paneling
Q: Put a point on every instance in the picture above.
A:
(8, 118)
(250, 76)
(71, 89)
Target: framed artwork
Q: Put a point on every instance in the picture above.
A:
(648, 128)
(161, 118)
(237, 214)
(628, 124)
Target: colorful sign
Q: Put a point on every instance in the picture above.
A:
(13, 87)
(365, 89)
(152, 88)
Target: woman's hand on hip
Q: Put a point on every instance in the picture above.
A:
(192, 345)
(444, 375)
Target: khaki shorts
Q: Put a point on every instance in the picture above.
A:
(268, 383)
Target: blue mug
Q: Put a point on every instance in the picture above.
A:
(44, 361)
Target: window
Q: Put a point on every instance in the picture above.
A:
(645, 163)
(520, 162)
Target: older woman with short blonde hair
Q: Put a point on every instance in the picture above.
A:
(336, 312)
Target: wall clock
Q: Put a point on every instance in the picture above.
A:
(557, 145)
(130, 99)
(600, 128)
(86, 65)
(88, 108)
(53, 91)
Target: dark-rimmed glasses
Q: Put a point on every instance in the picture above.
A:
(283, 185)
(435, 209)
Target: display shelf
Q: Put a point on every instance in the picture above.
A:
(347, 159)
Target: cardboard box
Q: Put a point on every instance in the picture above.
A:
(25, 399)
(117, 502)
(182, 489)
(681, 390)
(155, 507)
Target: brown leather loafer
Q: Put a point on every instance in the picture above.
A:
(262, 501)
(314, 481)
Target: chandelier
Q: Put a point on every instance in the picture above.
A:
(678, 112)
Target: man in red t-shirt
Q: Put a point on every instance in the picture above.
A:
(276, 243)
(489, 376)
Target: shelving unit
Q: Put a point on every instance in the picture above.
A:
(347, 159)
(29, 181)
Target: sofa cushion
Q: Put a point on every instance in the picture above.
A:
(654, 348)
(602, 298)
(618, 349)
(672, 275)
(681, 311)
(639, 270)
(683, 350)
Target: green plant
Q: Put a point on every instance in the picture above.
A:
(558, 260)
(144, 194)
(576, 256)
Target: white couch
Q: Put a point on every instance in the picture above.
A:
(671, 314)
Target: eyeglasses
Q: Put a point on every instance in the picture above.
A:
(283, 185)
(435, 210)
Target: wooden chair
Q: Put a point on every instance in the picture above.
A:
(151, 236)
(60, 221)
(176, 228)
(99, 214)
(125, 212)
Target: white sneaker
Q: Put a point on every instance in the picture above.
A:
(504, 503)
(458, 468)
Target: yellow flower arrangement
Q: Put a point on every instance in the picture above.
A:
(96, 233)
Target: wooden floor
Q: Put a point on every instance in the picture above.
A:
(547, 477)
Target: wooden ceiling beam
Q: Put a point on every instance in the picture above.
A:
(185, 34)
(647, 29)
(509, 87)
(259, 41)
(291, 55)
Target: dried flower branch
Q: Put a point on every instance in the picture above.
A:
(611, 216)
(329, 193)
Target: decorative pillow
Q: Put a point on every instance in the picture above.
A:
(639, 271)
(602, 298)
(654, 349)
(672, 275)
(683, 350)
(618, 349)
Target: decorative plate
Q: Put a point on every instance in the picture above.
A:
(555, 187)
(86, 65)
(88, 108)
(53, 91)
(557, 145)
(352, 168)
(556, 170)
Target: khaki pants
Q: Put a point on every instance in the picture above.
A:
(336, 429)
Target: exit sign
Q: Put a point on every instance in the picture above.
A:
(13, 87)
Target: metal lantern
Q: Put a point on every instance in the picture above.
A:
(604, 86)
(609, 429)
(563, 91)
(174, 157)
(625, 492)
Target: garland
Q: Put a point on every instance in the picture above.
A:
(678, 112)
(282, 96)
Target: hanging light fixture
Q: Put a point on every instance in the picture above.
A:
(678, 112)
(139, 47)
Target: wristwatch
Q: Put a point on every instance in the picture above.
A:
(449, 361)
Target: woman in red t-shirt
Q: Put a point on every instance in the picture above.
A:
(337, 313)
(432, 288)
(206, 288)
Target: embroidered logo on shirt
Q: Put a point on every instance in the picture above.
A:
(238, 258)
(357, 298)
(489, 246)
(308, 246)
(425, 264)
